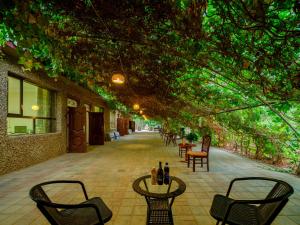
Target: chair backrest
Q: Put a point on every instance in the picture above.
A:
(206, 143)
(87, 212)
(280, 192)
(38, 195)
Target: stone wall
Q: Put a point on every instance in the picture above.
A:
(24, 150)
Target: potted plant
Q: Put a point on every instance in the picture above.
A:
(191, 137)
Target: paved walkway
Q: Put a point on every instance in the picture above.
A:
(108, 171)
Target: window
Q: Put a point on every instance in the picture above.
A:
(14, 95)
(98, 109)
(31, 109)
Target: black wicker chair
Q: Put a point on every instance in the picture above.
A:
(91, 211)
(251, 212)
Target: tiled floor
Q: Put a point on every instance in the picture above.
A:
(108, 171)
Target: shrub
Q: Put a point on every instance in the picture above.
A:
(192, 137)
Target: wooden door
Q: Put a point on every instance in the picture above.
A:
(126, 125)
(77, 141)
(96, 128)
(120, 126)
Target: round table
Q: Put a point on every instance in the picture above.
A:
(159, 198)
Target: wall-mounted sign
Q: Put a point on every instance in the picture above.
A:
(72, 103)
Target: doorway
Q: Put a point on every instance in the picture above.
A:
(76, 129)
(96, 128)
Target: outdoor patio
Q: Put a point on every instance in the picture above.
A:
(108, 171)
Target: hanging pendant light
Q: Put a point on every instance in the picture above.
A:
(136, 106)
(118, 78)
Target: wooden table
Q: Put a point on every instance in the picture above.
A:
(188, 147)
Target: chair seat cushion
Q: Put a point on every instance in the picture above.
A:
(239, 214)
(88, 215)
(197, 154)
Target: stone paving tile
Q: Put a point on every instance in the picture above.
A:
(138, 220)
(285, 220)
(295, 219)
(108, 171)
(205, 220)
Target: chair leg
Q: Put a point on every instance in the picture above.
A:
(170, 215)
(193, 164)
(207, 162)
(201, 162)
(148, 216)
(168, 141)
(174, 142)
(188, 162)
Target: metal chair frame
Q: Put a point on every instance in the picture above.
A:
(46, 202)
(282, 199)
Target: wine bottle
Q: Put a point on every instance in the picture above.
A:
(160, 175)
(166, 174)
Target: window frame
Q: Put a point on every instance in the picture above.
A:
(34, 118)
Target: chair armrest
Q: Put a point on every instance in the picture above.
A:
(83, 188)
(74, 206)
(247, 178)
(68, 182)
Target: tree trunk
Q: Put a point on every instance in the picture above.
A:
(258, 151)
(298, 170)
(259, 144)
(219, 140)
(235, 146)
(247, 144)
(279, 156)
(242, 139)
(279, 159)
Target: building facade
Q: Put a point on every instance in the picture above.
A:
(37, 119)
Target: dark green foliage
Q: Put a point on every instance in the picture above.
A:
(191, 137)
